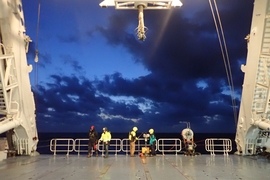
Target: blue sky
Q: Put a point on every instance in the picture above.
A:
(92, 70)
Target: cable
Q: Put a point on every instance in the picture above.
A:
(225, 55)
(36, 56)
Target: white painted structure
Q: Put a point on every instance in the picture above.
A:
(253, 121)
(17, 106)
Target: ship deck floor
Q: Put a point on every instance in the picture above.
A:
(122, 167)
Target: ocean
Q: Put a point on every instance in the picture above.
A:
(199, 138)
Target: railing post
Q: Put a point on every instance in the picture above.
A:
(55, 146)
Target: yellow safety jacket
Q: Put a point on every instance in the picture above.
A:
(105, 136)
(132, 136)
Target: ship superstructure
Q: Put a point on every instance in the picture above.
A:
(17, 107)
(253, 126)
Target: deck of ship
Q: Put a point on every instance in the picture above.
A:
(122, 167)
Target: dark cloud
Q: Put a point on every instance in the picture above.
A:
(45, 59)
(115, 31)
(67, 59)
(181, 51)
(90, 33)
(68, 101)
(181, 47)
(172, 100)
(74, 104)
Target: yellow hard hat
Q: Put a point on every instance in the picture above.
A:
(151, 131)
(135, 129)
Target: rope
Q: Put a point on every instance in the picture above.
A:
(225, 55)
(36, 56)
(37, 34)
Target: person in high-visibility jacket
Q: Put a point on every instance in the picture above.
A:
(152, 142)
(132, 139)
(106, 138)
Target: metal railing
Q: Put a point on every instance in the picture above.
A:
(81, 145)
(22, 144)
(213, 145)
(169, 145)
(140, 143)
(117, 145)
(163, 145)
(62, 145)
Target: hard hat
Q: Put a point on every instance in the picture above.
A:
(135, 129)
(92, 127)
(151, 131)
(104, 129)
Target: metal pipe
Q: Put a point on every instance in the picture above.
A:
(141, 28)
(8, 125)
(262, 124)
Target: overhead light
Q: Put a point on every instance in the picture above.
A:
(106, 3)
(177, 3)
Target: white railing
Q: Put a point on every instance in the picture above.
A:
(164, 145)
(218, 145)
(125, 146)
(169, 145)
(22, 146)
(81, 145)
(117, 145)
(138, 146)
(62, 145)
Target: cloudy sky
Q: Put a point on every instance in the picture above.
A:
(93, 70)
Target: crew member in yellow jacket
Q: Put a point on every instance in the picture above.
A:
(132, 139)
(105, 137)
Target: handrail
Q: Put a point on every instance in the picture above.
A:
(174, 143)
(80, 146)
(54, 145)
(138, 145)
(116, 145)
(163, 145)
(213, 145)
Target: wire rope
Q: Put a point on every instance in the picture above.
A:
(36, 48)
(36, 56)
(224, 51)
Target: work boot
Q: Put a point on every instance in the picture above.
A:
(96, 154)
(89, 155)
